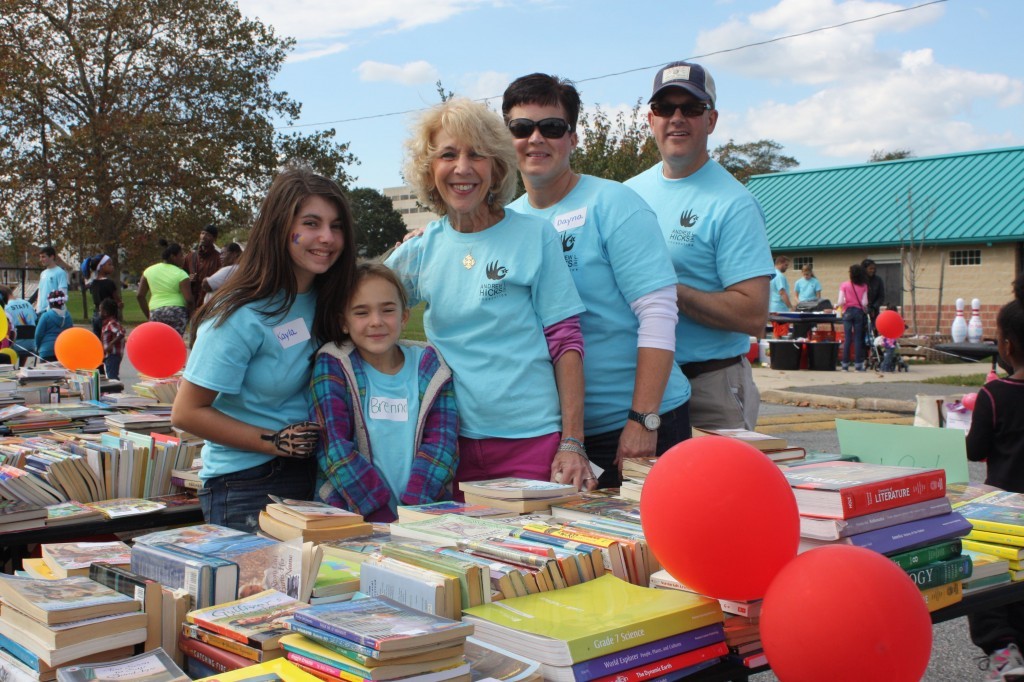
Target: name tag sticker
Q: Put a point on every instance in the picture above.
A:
(390, 409)
(292, 332)
(568, 221)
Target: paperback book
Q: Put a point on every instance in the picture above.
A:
(419, 512)
(310, 514)
(67, 559)
(154, 666)
(65, 600)
(255, 620)
(516, 488)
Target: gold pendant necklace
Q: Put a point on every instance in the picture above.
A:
(468, 261)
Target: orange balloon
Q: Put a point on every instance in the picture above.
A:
(78, 348)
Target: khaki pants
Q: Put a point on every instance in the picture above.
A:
(725, 398)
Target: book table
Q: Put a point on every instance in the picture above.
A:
(14, 545)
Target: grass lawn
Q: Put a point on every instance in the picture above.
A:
(414, 329)
(132, 314)
(966, 380)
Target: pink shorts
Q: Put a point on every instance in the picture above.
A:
(481, 459)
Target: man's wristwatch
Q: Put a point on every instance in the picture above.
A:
(649, 421)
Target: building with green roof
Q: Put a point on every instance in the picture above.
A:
(939, 228)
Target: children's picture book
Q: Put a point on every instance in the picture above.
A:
(65, 600)
(516, 488)
(844, 490)
(74, 558)
(383, 624)
(255, 620)
(154, 666)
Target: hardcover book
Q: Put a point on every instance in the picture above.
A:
(1002, 551)
(940, 551)
(383, 624)
(155, 666)
(63, 601)
(903, 536)
(844, 490)
(985, 565)
(217, 659)
(66, 559)
(997, 512)
(263, 564)
(834, 529)
(589, 620)
(679, 663)
(209, 579)
(941, 572)
(516, 488)
(255, 620)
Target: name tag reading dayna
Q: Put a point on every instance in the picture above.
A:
(568, 221)
(292, 332)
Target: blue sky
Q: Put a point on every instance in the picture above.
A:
(945, 77)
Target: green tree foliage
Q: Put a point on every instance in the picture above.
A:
(752, 158)
(378, 225)
(123, 121)
(894, 155)
(616, 149)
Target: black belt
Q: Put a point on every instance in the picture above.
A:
(695, 369)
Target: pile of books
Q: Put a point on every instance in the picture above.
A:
(154, 666)
(634, 472)
(19, 515)
(430, 510)
(520, 495)
(377, 638)
(66, 559)
(997, 536)
(606, 630)
(774, 447)
(45, 624)
(236, 633)
(901, 512)
(314, 521)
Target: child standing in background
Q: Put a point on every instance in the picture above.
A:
(387, 408)
(112, 335)
(997, 436)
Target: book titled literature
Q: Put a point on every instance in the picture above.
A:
(255, 620)
(154, 666)
(844, 490)
(599, 617)
(65, 600)
(516, 488)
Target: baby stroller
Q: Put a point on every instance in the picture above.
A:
(884, 354)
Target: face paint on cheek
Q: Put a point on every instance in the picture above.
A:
(296, 238)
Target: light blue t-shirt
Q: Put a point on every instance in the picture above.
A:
(778, 284)
(488, 320)
(50, 279)
(807, 289)
(716, 238)
(613, 247)
(260, 368)
(391, 405)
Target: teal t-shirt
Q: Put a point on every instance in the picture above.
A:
(488, 320)
(778, 285)
(716, 237)
(260, 368)
(806, 289)
(391, 405)
(613, 247)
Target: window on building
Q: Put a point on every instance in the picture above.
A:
(965, 257)
(800, 261)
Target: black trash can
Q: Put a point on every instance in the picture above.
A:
(824, 356)
(785, 354)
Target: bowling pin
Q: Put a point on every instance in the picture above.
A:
(974, 331)
(959, 330)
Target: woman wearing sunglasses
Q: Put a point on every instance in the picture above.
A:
(636, 401)
(500, 305)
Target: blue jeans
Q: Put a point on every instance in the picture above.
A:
(112, 366)
(601, 449)
(854, 321)
(235, 500)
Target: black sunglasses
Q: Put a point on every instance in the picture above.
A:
(689, 109)
(551, 128)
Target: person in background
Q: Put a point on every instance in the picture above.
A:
(20, 313)
(635, 403)
(229, 256)
(203, 262)
(501, 306)
(52, 322)
(853, 299)
(717, 241)
(876, 290)
(245, 387)
(996, 437)
(778, 300)
(52, 278)
(387, 407)
(112, 335)
(102, 287)
(164, 293)
(807, 289)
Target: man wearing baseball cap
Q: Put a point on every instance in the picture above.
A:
(716, 237)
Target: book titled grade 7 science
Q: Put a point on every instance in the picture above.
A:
(844, 490)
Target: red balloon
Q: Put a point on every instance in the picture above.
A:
(843, 613)
(78, 348)
(155, 349)
(889, 324)
(969, 399)
(710, 506)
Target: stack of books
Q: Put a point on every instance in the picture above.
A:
(18, 515)
(901, 512)
(606, 629)
(377, 639)
(520, 495)
(774, 447)
(314, 521)
(336, 575)
(48, 623)
(592, 506)
(66, 559)
(155, 666)
(634, 472)
(420, 512)
(237, 633)
(997, 518)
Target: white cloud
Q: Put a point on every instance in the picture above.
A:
(483, 84)
(307, 52)
(411, 73)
